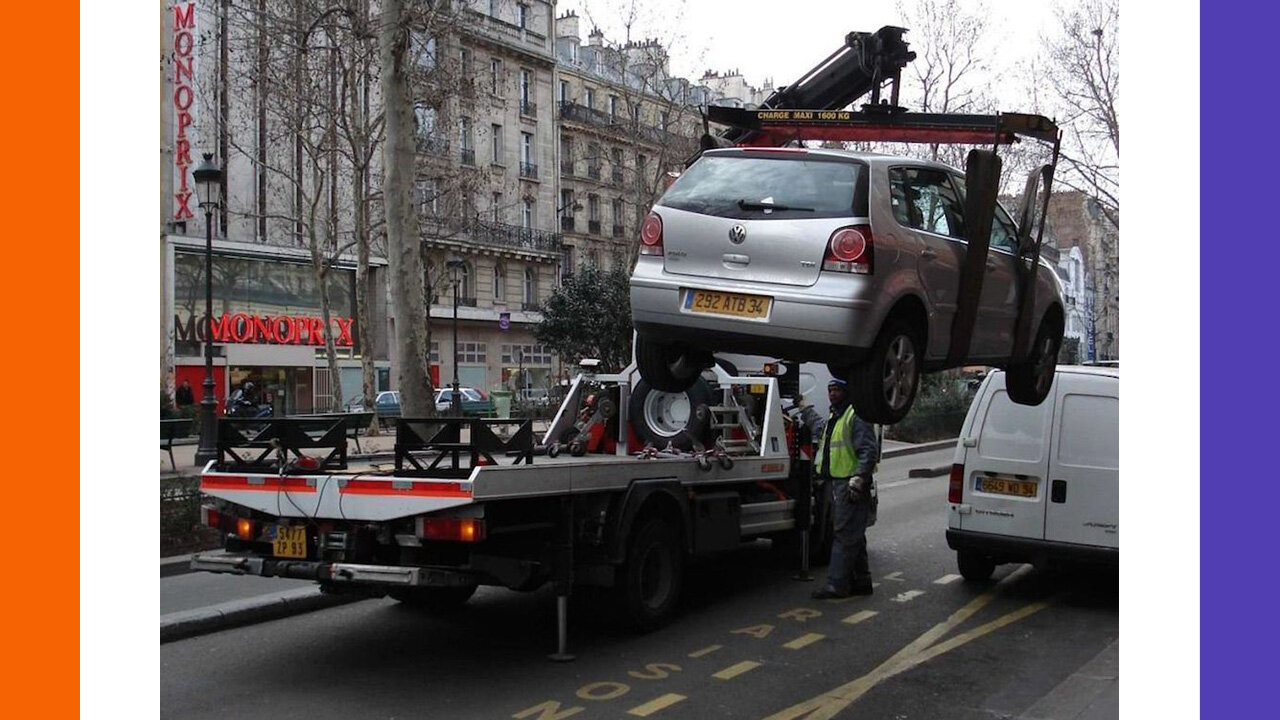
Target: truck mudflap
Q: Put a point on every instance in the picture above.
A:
(331, 572)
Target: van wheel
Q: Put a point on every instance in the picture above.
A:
(651, 579)
(664, 366)
(975, 567)
(663, 417)
(435, 599)
(1028, 382)
(883, 387)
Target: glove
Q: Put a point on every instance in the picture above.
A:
(858, 487)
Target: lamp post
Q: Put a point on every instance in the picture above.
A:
(455, 266)
(208, 177)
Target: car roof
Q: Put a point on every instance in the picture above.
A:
(1098, 370)
(871, 158)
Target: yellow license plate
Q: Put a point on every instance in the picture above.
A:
(1007, 486)
(718, 303)
(290, 541)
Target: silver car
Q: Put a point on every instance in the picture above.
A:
(852, 259)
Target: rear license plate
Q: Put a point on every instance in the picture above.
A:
(290, 541)
(1007, 486)
(718, 303)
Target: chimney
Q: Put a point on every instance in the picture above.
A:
(596, 38)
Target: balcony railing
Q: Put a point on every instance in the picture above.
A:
(431, 143)
(618, 230)
(468, 156)
(528, 170)
(528, 108)
(617, 174)
(593, 227)
(501, 235)
(573, 112)
(593, 172)
(566, 223)
(467, 301)
(566, 167)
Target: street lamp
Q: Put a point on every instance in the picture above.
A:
(455, 266)
(208, 177)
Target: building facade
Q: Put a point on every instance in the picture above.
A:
(1077, 221)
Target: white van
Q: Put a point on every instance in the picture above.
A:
(1040, 483)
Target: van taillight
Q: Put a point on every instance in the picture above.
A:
(849, 250)
(956, 491)
(651, 235)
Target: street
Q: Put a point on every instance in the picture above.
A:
(749, 642)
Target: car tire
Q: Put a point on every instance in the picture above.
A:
(651, 579)
(659, 417)
(975, 567)
(883, 387)
(660, 364)
(1029, 382)
(434, 599)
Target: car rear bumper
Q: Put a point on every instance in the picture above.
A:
(1008, 548)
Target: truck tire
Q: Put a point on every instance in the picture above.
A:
(435, 599)
(883, 386)
(660, 364)
(659, 418)
(1029, 381)
(975, 567)
(651, 579)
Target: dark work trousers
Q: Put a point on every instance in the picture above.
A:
(849, 565)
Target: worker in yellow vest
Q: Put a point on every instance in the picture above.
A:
(846, 458)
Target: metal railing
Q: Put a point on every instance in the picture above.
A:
(468, 156)
(528, 108)
(617, 174)
(467, 301)
(566, 222)
(593, 227)
(528, 170)
(618, 230)
(432, 143)
(566, 167)
(502, 235)
(593, 172)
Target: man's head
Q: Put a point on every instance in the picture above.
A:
(837, 392)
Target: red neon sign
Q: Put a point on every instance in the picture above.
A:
(184, 25)
(272, 329)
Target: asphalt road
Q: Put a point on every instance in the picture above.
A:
(749, 643)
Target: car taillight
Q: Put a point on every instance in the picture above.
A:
(651, 235)
(452, 529)
(956, 490)
(849, 250)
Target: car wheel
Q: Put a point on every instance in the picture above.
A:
(1028, 382)
(435, 599)
(975, 567)
(883, 386)
(664, 366)
(659, 418)
(651, 579)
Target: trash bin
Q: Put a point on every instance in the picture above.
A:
(501, 402)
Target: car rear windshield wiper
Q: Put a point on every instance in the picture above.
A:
(748, 205)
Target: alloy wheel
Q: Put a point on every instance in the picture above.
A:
(899, 372)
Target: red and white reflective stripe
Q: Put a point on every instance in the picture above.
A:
(272, 483)
(397, 488)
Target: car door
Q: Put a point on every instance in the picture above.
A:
(998, 306)
(1084, 476)
(1006, 463)
(927, 208)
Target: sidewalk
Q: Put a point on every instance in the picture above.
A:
(1090, 693)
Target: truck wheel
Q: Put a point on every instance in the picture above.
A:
(1028, 382)
(883, 386)
(974, 567)
(664, 366)
(652, 577)
(435, 599)
(661, 417)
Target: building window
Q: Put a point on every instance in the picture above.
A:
(465, 288)
(617, 165)
(499, 283)
(664, 120)
(530, 287)
(526, 85)
(527, 215)
(464, 61)
(496, 130)
(496, 206)
(522, 15)
(589, 97)
(635, 113)
(527, 354)
(435, 353)
(566, 261)
(526, 148)
(473, 352)
(423, 49)
(464, 141)
(495, 75)
(613, 107)
(593, 258)
(493, 8)
(566, 203)
(593, 212)
(564, 91)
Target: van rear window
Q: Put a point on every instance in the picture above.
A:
(1012, 431)
(743, 186)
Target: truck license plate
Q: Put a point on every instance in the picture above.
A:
(718, 303)
(1007, 486)
(290, 541)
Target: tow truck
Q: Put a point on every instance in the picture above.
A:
(470, 502)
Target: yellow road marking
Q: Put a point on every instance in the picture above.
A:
(946, 579)
(859, 616)
(656, 704)
(734, 671)
(804, 640)
(705, 651)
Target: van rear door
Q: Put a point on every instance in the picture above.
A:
(1005, 465)
(1084, 475)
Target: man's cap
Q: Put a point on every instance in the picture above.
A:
(837, 382)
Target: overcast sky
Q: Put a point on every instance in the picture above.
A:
(762, 42)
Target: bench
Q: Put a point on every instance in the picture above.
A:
(171, 430)
(354, 423)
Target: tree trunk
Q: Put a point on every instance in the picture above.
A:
(408, 303)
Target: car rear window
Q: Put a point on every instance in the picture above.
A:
(813, 187)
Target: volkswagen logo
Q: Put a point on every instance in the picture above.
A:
(737, 234)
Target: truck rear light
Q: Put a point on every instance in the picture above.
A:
(955, 492)
(244, 528)
(850, 250)
(451, 529)
(209, 516)
(651, 235)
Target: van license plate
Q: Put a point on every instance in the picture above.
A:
(718, 303)
(1007, 486)
(290, 541)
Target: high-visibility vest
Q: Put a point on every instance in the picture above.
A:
(844, 461)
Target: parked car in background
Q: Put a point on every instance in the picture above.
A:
(534, 397)
(474, 402)
(387, 404)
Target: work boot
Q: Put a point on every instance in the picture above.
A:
(861, 586)
(828, 593)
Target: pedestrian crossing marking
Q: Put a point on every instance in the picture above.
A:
(946, 579)
(804, 640)
(705, 651)
(656, 704)
(906, 596)
(859, 616)
(734, 671)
